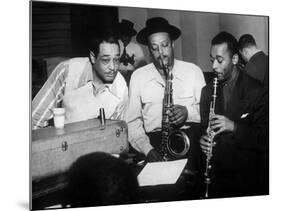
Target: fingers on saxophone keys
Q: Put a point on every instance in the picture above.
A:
(170, 112)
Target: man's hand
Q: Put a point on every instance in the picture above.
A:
(153, 156)
(205, 144)
(221, 123)
(177, 114)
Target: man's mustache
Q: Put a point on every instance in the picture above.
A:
(162, 57)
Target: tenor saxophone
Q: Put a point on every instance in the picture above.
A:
(210, 134)
(174, 143)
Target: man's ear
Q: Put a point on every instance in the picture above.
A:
(92, 57)
(235, 59)
(245, 52)
(241, 52)
(173, 44)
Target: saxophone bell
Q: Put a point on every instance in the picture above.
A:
(178, 144)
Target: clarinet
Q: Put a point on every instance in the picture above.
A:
(210, 134)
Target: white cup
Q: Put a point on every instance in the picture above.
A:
(59, 117)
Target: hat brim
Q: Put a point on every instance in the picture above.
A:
(142, 36)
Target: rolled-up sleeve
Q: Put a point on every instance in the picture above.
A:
(50, 94)
(137, 136)
(122, 93)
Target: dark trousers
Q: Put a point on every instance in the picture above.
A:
(234, 184)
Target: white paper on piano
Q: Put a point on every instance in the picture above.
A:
(158, 173)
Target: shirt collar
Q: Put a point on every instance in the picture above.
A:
(90, 77)
(87, 76)
(232, 81)
(102, 88)
(155, 75)
(176, 71)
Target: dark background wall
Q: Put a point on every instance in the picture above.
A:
(198, 29)
(87, 20)
(51, 30)
(60, 29)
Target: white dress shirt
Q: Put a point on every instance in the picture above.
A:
(146, 95)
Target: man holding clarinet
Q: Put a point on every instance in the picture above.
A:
(236, 142)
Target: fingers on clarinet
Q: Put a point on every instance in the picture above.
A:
(205, 137)
(208, 141)
(205, 147)
(202, 142)
(217, 116)
(215, 122)
(207, 152)
(219, 131)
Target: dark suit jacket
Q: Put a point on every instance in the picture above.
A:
(242, 155)
(257, 68)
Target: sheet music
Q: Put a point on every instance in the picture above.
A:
(158, 173)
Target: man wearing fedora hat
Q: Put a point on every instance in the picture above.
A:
(132, 56)
(147, 87)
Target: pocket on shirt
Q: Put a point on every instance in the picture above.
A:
(183, 98)
(152, 98)
(152, 94)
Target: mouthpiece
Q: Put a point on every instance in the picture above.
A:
(161, 61)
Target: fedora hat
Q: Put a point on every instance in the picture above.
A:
(126, 27)
(154, 25)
